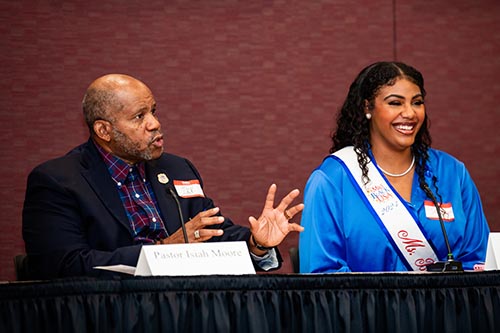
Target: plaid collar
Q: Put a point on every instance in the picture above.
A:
(118, 168)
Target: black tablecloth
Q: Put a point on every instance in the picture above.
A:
(389, 302)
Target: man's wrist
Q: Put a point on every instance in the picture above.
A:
(258, 246)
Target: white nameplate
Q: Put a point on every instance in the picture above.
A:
(228, 258)
(493, 252)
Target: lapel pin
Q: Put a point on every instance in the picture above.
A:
(162, 178)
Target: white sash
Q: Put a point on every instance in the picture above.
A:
(391, 213)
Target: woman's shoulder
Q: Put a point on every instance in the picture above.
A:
(444, 164)
(331, 163)
(440, 156)
(331, 168)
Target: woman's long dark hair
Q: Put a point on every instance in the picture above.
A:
(353, 127)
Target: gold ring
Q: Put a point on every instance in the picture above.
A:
(197, 234)
(288, 217)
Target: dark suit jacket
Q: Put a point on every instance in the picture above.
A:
(73, 218)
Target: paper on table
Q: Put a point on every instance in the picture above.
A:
(118, 268)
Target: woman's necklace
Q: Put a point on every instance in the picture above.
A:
(399, 174)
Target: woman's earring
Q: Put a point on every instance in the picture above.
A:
(368, 116)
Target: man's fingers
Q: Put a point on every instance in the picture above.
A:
(253, 222)
(269, 204)
(288, 199)
(201, 235)
(204, 221)
(209, 212)
(197, 225)
(292, 211)
(295, 227)
(207, 217)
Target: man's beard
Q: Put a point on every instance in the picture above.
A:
(132, 149)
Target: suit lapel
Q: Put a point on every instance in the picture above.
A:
(95, 172)
(166, 203)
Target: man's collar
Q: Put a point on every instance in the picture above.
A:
(117, 167)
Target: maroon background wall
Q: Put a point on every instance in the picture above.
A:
(247, 90)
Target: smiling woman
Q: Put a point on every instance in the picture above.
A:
(365, 205)
(397, 114)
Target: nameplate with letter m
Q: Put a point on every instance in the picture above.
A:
(224, 258)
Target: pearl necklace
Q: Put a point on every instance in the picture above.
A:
(399, 174)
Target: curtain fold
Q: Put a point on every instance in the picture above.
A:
(392, 302)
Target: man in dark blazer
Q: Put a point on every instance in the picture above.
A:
(104, 200)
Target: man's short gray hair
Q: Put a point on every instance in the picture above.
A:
(97, 104)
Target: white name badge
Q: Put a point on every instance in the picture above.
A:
(493, 252)
(446, 211)
(188, 188)
(228, 258)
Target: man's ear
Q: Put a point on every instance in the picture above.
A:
(102, 128)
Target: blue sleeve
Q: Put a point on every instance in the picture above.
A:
(322, 243)
(473, 249)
